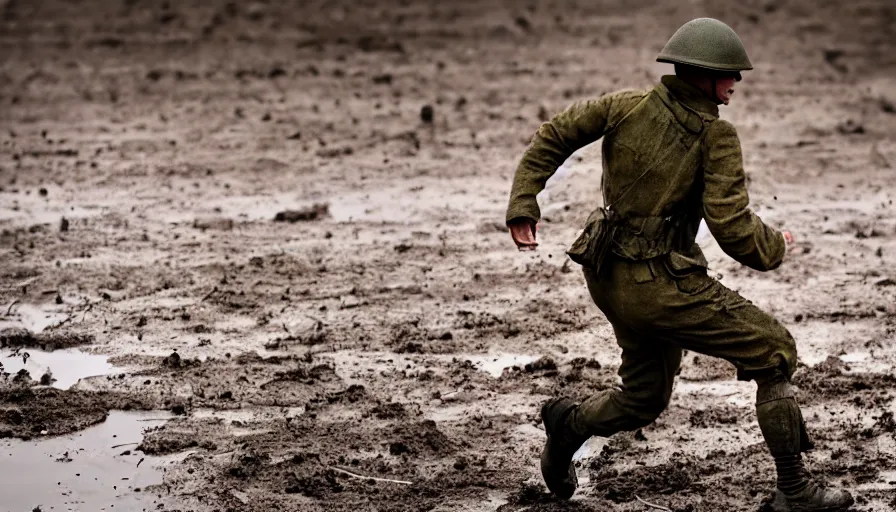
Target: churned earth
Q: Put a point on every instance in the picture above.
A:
(283, 222)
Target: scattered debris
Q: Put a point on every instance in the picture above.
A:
(653, 505)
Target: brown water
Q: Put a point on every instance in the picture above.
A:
(83, 471)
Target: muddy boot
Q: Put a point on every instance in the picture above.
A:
(813, 499)
(785, 434)
(557, 469)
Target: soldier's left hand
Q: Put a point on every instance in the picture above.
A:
(523, 232)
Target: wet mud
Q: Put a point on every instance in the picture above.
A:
(282, 223)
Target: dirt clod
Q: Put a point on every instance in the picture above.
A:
(427, 114)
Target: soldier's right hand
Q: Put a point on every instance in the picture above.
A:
(523, 232)
(790, 245)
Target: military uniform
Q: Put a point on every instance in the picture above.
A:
(668, 161)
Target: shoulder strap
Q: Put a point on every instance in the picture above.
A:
(662, 157)
(613, 129)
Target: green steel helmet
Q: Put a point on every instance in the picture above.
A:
(709, 44)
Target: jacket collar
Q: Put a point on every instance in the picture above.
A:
(688, 95)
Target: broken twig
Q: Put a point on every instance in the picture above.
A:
(653, 505)
(355, 475)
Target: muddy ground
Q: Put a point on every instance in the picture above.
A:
(147, 148)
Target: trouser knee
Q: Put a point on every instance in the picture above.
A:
(609, 412)
(643, 409)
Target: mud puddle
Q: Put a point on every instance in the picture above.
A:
(66, 367)
(495, 365)
(96, 469)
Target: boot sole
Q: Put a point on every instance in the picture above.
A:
(788, 508)
(778, 507)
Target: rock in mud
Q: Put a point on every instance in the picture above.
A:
(543, 364)
(314, 212)
(850, 127)
(427, 114)
(214, 224)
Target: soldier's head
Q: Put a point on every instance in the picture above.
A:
(707, 54)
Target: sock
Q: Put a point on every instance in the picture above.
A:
(792, 478)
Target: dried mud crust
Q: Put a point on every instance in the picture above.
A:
(148, 147)
(832, 379)
(54, 340)
(27, 412)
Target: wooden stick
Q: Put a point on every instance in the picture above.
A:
(9, 309)
(355, 475)
(653, 505)
(125, 444)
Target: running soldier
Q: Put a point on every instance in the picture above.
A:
(668, 162)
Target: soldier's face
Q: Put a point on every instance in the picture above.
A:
(725, 88)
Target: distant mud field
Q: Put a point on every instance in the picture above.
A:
(284, 224)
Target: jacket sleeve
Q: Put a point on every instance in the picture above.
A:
(574, 128)
(740, 232)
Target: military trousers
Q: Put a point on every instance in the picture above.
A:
(656, 312)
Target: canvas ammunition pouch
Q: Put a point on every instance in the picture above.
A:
(595, 240)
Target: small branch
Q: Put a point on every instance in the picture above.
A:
(653, 505)
(361, 477)
(209, 294)
(125, 444)
(83, 316)
(9, 309)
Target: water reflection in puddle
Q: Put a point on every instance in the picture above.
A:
(67, 366)
(81, 471)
